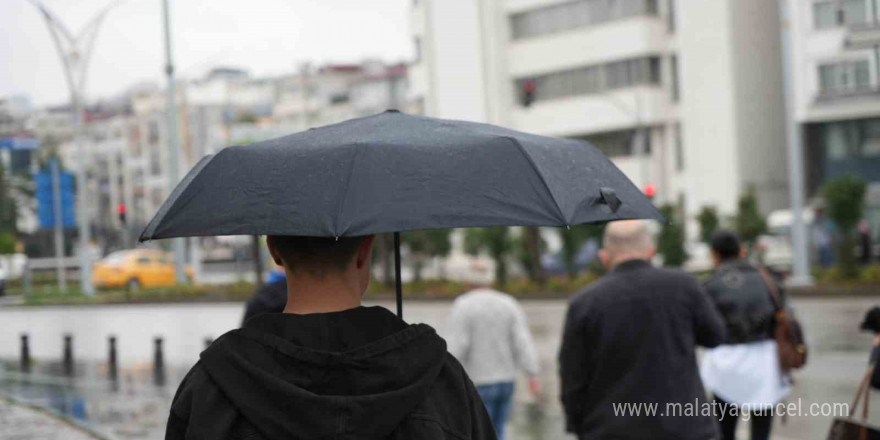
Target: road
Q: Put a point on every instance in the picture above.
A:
(838, 357)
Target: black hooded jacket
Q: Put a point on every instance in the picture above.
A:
(357, 374)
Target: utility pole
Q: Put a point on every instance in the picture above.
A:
(60, 269)
(75, 52)
(800, 254)
(173, 141)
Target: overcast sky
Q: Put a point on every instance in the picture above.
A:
(263, 36)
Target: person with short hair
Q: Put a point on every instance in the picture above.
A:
(327, 367)
(743, 373)
(489, 335)
(629, 345)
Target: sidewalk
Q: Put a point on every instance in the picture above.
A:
(22, 422)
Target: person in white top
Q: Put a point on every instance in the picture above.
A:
(743, 373)
(489, 335)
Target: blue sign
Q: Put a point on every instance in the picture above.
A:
(20, 143)
(46, 199)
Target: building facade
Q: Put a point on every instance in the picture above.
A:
(836, 56)
(683, 95)
(127, 140)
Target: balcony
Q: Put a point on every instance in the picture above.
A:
(862, 36)
(585, 114)
(863, 92)
(632, 37)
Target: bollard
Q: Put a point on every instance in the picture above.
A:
(25, 354)
(68, 355)
(208, 341)
(158, 363)
(111, 360)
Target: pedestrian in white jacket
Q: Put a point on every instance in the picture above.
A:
(489, 335)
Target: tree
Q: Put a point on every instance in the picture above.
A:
(8, 207)
(495, 241)
(534, 247)
(529, 247)
(7, 243)
(424, 245)
(709, 222)
(382, 253)
(845, 205)
(748, 222)
(573, 239)
(670, 242)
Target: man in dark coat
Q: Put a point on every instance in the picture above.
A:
(627, 361)
(744, 373)
(327, 368)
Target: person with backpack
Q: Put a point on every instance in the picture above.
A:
(745, 373)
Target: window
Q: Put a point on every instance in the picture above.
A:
(833, 13)
(592, 79)
(575, 14)
(339, 98)
(155, 162)
(679, 149)
(153, 133)
(871, 142)
(670, 16)
(844, 77)
(673, 66)
(619, 143)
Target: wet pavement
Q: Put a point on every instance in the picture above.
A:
(134, 406)
(22, 422)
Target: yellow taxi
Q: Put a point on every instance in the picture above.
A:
(136, 268)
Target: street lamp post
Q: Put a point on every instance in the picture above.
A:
(75, 52)
(173, 141)
(640, 134)
(800, 256)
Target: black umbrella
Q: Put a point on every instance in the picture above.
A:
(394, 172)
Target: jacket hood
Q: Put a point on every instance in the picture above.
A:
(353, 374)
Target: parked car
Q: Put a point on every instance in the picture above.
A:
(136, 268)
(775, 246)
(2, 282)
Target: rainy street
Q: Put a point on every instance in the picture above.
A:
(136, 404)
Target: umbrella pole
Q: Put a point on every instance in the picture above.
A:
(399, 286)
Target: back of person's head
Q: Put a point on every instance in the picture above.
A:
(725, 245)
(626, 240)
(316, 257)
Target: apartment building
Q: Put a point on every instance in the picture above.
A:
(126, 141)
(836, 56)
(682, 95)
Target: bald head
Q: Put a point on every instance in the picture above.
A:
(626, 240)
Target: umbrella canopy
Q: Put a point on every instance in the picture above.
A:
(394, 172)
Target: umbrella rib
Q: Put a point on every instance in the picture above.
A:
(357, 152)
(531, 162)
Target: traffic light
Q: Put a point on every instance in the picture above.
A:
(529, 88)
(120, 209)
(650, 190)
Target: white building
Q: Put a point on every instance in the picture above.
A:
(682, 94)
(836, 51)
(127, 148)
